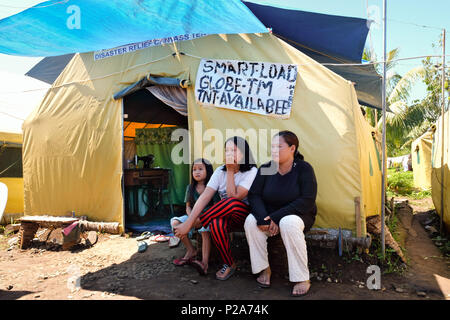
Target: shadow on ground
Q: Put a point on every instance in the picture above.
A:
(152, 275)
(12, 295)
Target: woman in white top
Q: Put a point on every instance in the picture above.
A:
(232, 181)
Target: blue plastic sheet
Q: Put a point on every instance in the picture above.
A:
(327, 39)
(156, 226)
(337, 36)
(59, 27)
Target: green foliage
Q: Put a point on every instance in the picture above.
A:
(401, 183)
(392, 263)
(417, 195)
(409, 120)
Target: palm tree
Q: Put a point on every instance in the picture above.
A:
(403, 122)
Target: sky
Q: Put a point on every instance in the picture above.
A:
(403, 32)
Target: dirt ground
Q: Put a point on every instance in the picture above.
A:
(113, 269)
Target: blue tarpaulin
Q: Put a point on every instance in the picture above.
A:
(337, 36)
(60, 27)
(155, 226)
(325, 38)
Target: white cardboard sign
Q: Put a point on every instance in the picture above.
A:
(263, 88)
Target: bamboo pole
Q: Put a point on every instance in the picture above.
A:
(442, 135)
(383, 144)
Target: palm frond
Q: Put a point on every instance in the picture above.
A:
(403, 87)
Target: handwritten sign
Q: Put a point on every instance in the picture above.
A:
(258, 87)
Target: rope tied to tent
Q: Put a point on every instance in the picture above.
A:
(112, 74)
(9, 167)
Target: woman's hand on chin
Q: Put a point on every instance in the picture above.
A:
(232, 167)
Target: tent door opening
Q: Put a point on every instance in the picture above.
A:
(153, 186)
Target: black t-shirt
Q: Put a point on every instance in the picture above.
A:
(280, 195)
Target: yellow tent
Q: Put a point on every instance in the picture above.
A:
(10, 152)
(73, 141)
(421, 160)
(19, 95)
(436, 173)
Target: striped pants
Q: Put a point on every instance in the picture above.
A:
(225, 216)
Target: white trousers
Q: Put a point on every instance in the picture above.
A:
(291, 230)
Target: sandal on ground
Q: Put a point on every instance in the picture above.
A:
(263, 285)
(182, 261)
(301, 295)
(161, 238)
(222, 271)
(142, 246)
(144, 235)
(200, 267)
(174, 242)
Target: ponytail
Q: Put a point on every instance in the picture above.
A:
(298, 156)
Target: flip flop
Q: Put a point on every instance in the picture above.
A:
(263, 285)
(303, 294)
(161, 238)
(182, 261)
(225, 266)
(144, 235)
(198, 265)
(142, 246)
(174, 242)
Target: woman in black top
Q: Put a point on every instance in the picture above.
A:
(282, 200)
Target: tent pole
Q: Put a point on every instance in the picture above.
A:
(122, 180)
(383, 173)
(442, 133)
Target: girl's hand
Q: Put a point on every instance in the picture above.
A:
(181, 230)
(264, 228)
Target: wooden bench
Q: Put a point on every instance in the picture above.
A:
(324, 238)
(30, 224)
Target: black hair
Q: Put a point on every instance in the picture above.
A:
(291, 139)
(248, 160)
(193, 184)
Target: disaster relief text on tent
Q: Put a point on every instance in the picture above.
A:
(258, 87)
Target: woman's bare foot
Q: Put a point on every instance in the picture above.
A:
(301, 288)
(264, 278)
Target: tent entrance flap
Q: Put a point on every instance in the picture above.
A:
(151, 81)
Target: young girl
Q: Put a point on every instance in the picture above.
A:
(202, 171)
(232, 181)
